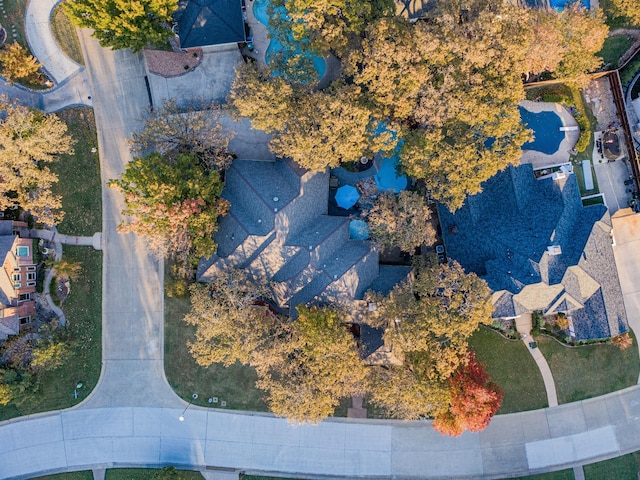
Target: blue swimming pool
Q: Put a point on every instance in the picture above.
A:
(260, 12)
(546, 130)
(560, 4)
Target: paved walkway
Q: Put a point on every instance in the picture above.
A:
(43, 44)
(543, 366)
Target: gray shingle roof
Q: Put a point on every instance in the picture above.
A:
(503, 233)
(306, 254)
(209, 22)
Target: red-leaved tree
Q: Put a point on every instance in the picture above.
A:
(475, 399)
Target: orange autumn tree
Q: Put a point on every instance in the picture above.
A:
(475, 399)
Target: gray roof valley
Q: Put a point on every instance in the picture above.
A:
(538, 248)
(278, 229)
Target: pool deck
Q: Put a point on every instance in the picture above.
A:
(260, 36)
(542, 160)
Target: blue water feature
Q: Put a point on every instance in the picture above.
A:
(560, 4)
(546, 130)
(387, 178)
(260, 12)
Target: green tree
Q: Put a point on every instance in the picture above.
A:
(401, 220)
(17, 64)
(231, 325)
(627, 8)
(317, 129)
(5, 390)
(171, 130)
(173, 204)
(583, 33)
(30, 140)
(124, 24)
(434, 314)
(65, 269)
(394, 62)
(327, 25)
(408, 391)
(311, 367)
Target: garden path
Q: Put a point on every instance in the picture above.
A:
(543, 366)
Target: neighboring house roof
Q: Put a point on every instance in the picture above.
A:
(504, 233)
(209, 22)
(279, 230)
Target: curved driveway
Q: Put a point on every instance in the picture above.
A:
(132, 415)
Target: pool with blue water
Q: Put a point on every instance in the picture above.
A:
(260, 12)
(560, 4)
(546, 130)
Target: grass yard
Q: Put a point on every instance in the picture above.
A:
(65, 34)
(15, 10)
(628, 72)
(559, 475)
(593, 201)
(614, 48)
(147, 474)
(512, 368)
(590, 370)
(79, 176)
(626, 467)
(235, 385)
(83, 475)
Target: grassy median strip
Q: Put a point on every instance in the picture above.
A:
(590, 370)
(512, 368)
(65, 34)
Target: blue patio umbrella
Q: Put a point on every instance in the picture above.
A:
(387, 178)
(358, 230)
(347, 196)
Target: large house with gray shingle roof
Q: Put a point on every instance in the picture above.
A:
(278, 229)
(540, 249)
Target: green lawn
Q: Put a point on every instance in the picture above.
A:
(614, 48)
(626, 467)
(83, 475)
(593, 201)
(629, 71)
(15, 16)
(147, 474)
(65, 34)
(79, 176)
(512, 368)
(559, 475)
(235, 385)
(590, 370)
